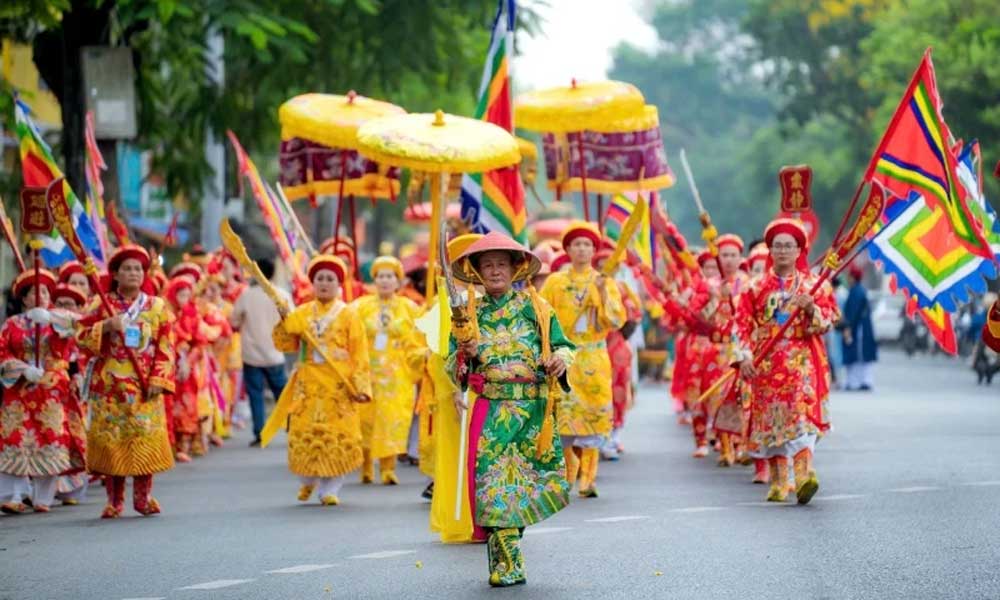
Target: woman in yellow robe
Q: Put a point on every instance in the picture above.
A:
(587, 308)
(396, 352)
(324, 436)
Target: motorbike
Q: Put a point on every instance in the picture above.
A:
(914, 337)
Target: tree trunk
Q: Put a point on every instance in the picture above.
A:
(57, 56)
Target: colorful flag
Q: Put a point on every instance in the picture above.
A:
(919, 249)
(643, 244)
(915, 155)
(282, 235)
(94, 164)
(494, 201)
(118, 227)
(39, 169)
(939, 324)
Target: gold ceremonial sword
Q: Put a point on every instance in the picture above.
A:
(234, 244)
(628, 232)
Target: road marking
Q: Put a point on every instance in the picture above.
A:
(544, 530)
(618, 519)
(216, 585)
(300, 569)
(840, 497)
(697, 509)
(384, 554)
(982, 483)
(914, 489)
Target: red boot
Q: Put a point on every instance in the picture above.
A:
(142, 499)
(761, 472)
(115, 488)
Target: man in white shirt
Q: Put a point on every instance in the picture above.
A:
(255, 316)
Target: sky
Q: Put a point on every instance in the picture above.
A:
(576, 41)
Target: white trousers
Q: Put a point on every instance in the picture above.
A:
(13, 488)
(859, 374)
(325, 486)
(789, 449)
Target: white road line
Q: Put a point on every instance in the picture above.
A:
(544, 530)
(300, 569)
(914, 489)
(840, 497)
(216, 585)
(384, 554)
(618, 519)
(697, 509)
(981, 483)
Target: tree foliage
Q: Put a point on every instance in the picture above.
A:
(751, 85)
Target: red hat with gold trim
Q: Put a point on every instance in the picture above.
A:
(69, 269)
(329, 262)
(704, 255)
(730, 239)
(67, 291)
(581, 229)
(175, 285)
(560, 261)
(794, 228)
(27, 280)
(188, 269)
(465, 270)
(126, 252)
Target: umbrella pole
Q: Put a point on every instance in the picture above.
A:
(436, 233)
(354, 236)
(583, 176)
(340, 194)
(600, 213)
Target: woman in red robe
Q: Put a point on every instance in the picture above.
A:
(35, 438)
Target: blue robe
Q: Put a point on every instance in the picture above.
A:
(857, 317)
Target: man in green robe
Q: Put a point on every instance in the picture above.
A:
(514, 355)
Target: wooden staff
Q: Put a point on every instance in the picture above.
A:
(8, 234)
(62, 216)
(833, 264)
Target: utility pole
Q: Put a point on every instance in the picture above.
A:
(214, 192)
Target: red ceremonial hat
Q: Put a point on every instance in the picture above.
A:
(26, 280)
(856, 271)
(581, 229)
(68, 270)
(174, 286)
(464, 270)
(330, 262)
(128, 251)
(602, 254)
(65, 291)
(561, 260)
(730, 239)
(794, 228)
(703, 257)
(189, 269)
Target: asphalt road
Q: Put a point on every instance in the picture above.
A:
(907, 509)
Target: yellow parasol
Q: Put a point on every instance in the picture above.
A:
(437, 144)
(565, 113)
(319, 149)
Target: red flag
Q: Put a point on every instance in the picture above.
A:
(938, 322)
(115, 224)
(916, 154)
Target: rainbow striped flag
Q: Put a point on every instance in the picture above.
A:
(39, 169)
(643, 245)
(277, 223)
(494, 201)
(915, 155)
(95, 187)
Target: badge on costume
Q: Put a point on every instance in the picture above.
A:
(781, 317)
(132, 336)
(581, 324)
(381, 341)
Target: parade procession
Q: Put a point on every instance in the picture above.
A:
(431, 312)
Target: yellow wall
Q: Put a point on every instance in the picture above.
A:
(17, 68)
